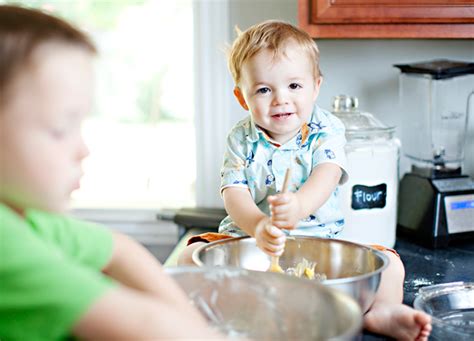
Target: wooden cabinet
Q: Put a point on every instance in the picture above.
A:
(387, 18)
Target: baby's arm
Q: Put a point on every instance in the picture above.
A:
(244, 212)
(289, 208)
(147, 305)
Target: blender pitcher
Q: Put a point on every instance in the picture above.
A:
(436, 201)
(434, 99)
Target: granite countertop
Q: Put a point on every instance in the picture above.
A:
(427, 267)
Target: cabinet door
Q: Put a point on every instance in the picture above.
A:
(387, 18)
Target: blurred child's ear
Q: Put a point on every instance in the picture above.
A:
(240, 97)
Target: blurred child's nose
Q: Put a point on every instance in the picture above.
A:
(82, 150)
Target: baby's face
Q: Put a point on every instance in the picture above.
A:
(41, 146)
(280, 93)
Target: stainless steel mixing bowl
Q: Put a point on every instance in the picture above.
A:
(269, 306)
(353, 268)
(451, 306)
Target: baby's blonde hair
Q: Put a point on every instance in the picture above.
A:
(272, 35)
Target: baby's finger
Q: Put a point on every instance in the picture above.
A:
(278, 199)
(272, 253)
(271, 198)
(265, 244)
(289, 226)
(274, 232)
(274, 248)
(283, 209)
(277, 241)
(280, 217)
(282, 224)
(283, 198)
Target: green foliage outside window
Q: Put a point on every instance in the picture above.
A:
(100, 13)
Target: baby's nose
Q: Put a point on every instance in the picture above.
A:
(280, 97)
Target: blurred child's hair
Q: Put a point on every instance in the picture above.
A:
(22, 30)
(272, 35)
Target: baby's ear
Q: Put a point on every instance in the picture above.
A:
(317, 85)
(240, 97)
(319, 81)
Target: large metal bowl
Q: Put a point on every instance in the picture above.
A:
(353, 268)
(451, 306)
(269, 306)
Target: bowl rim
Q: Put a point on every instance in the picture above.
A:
(441, 289)
(335, 281)
(233, 270)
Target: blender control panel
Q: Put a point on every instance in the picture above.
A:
(459, 213)
(454, 184)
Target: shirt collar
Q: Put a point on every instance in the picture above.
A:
(253, 132)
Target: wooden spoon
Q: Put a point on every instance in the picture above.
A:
(275, 264)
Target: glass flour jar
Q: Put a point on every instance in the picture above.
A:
(369, 198)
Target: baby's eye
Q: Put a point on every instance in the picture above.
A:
(263, 91)
(57, 134)
(294, 86)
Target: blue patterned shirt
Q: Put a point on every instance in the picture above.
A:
(252, 161)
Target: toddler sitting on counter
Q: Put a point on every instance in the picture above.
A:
(275, 67)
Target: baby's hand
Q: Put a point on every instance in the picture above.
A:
(270, 239)
(285, 209)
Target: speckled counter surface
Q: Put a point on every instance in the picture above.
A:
(425, 266)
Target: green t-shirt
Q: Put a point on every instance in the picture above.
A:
(49, 273)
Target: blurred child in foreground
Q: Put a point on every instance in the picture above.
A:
(60, 276)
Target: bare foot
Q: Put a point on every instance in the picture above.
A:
(398, 321)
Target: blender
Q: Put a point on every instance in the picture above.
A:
(436, 201)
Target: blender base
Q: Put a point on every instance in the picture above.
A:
(435, 212)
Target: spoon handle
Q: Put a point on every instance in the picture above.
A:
(275, 265)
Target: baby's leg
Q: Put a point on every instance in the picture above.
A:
(185, 258)
(388, 316)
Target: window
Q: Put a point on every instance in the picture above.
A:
(141, 132)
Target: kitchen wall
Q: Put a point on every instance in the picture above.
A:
(362, 67)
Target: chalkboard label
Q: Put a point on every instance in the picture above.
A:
(368, 197)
